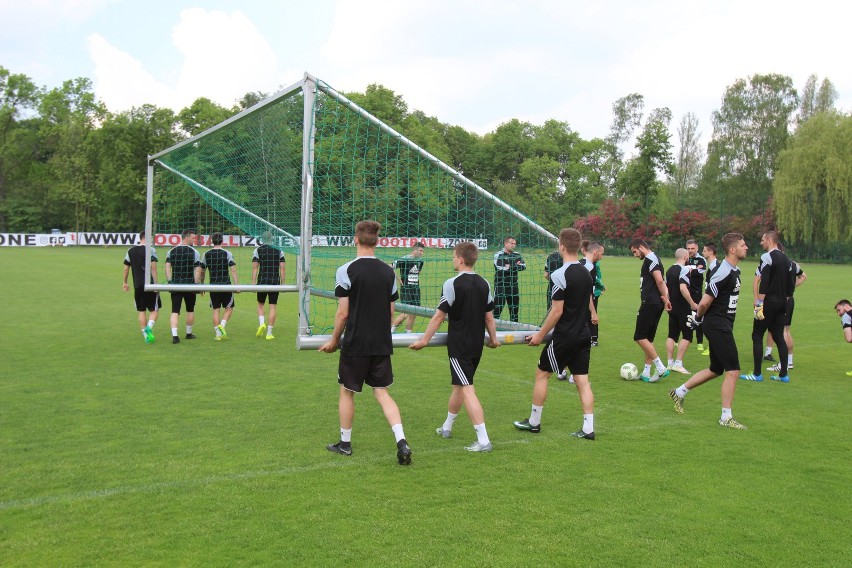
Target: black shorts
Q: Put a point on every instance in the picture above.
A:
(187, 297)
(462, 370)
(273, 298)
(678, 327)
(647, 321)
(410, 295)
(723, 350)
(354, 371)
(791, 304)
(571, 352)
(146, 301)
(221, 300)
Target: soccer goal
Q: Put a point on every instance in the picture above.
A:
(298, 170)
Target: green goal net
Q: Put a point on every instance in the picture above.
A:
(303, 167)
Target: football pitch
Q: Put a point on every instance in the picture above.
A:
(115, 452)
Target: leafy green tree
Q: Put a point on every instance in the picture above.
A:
(201, 115)
(813, 184)
(18, 95)
(749, 131)
(640, 179)
(69, 116)
(687, 168)
(816, 99)
(125, 140)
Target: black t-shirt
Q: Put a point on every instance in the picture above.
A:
(711, 268)
(774, 276)
(269, 260)
(675, 276)
(466, 299)
(724, 286)
(217, 261)
(572, 284)
(370, 285)
(697, 267)
(650, 294)
(551, 265)
(183, 259)
(409, 270)
(135, 259)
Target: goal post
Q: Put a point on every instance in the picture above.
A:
(301, 168)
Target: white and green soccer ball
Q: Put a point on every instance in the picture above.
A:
(629, 372)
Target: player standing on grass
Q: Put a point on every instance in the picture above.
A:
(655, 298)
(844, 311)
(592, 253)
(467, 304)
(507, 264)
(771, 290)
(183, 266)
(268, 267)
(570, 345)
(796, 276)
(716, 313)
(148, 302)
(697, 268)
(409, 267)
(366, 291)
(219, 262)
(677, 282)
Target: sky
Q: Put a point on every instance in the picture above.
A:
(475, 64)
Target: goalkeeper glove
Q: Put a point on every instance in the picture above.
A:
(693, 321)
(758, 310)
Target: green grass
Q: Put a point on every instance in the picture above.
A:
(114, 452)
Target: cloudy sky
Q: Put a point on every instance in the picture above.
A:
(472, 63)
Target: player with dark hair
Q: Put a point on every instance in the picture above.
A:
(183, 266)
(409, 267)
(220, 262)
(844, 312)
(570, 345)
(268, 267)
(771, 290)
(716, 312)
(467, 304)
(146, 302)
(677, 282)
(654, 299)
(366, 291)
(507, 264)
(697, 265)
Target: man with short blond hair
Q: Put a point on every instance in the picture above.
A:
(366, 291)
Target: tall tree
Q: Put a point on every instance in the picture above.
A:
(18, 95)
(641, 178)
(69, 116)
(813, 185)
(816, 99)
(749, 131)
(690, 157)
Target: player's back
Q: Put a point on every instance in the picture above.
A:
(774, 276)
(675, 276)
(183, 259)
(217, 261)
(572, 284)
(370, 285)
(268, 259)
(466, 298)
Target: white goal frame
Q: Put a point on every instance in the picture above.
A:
(309, 86)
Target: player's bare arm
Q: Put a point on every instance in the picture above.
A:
(549, 323)
(431, 328)
(340, 318)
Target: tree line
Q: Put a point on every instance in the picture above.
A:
(777, 158)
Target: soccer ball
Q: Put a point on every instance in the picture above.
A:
(629, 372)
